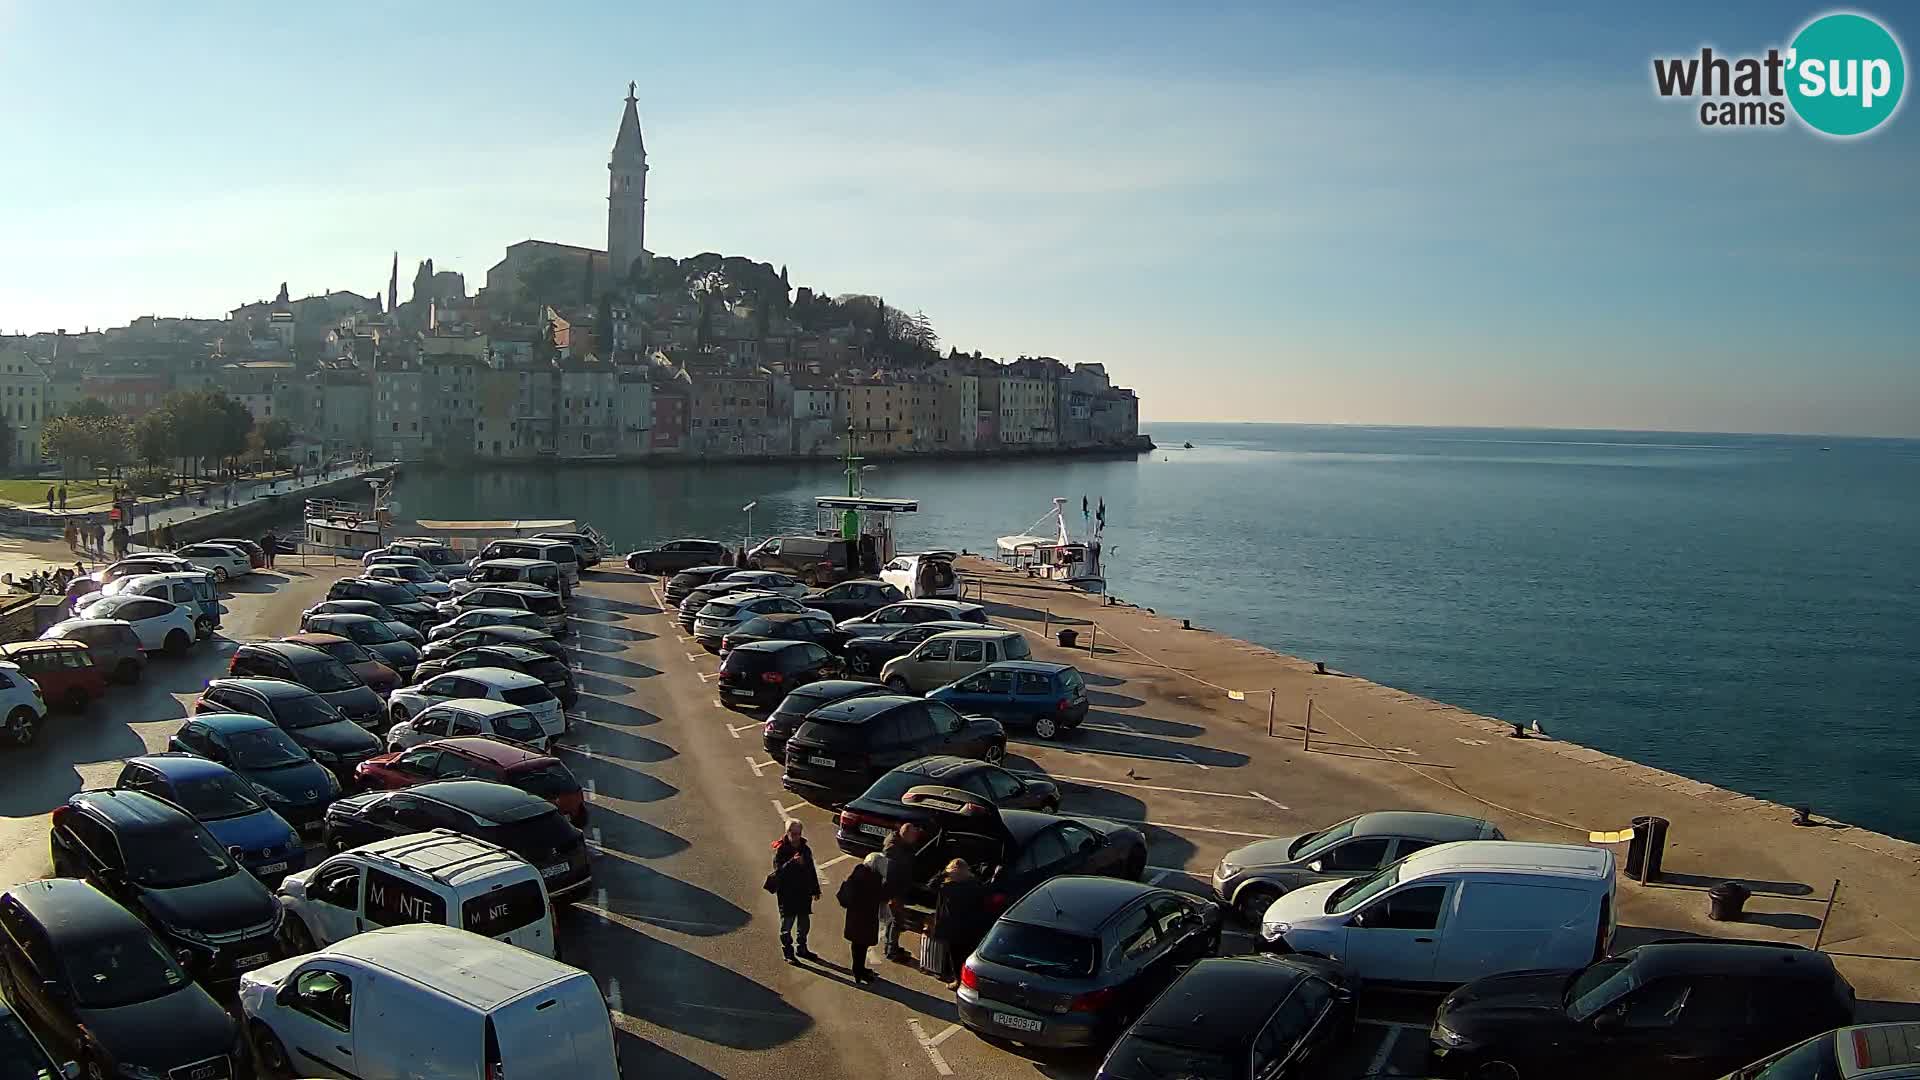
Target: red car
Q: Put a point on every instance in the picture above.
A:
(381, 678)
(64, 670)
(471, 757)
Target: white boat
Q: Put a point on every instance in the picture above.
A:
(1058, 557)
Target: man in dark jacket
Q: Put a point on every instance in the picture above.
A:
(861, 894)
(796, 884)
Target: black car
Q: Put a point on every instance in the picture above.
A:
(853, 599)
(786, 626)
(867, 655)
(320, 729)
(20, 1048)
(555, 673)
(684, 582)
(527, 825)
(761, 672)
(1014, 850)
(315, 670)
(841, 749)
(1238, 1018)
(392, 642)
(864, 823)
(1672, 1009)
(401, 601)
(785, 718)
(280, 769)
(677, 555)
(1077, 958)
(95, 986)
(523, 636)
(215, 918)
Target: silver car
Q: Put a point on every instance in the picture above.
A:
(1250, 878)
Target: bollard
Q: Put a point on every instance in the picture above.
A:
(1319, 667)
(1093, 635)
(1826, 915)
(1306, 742)
(1726, 901)
(1272, 695)
(1046, 626)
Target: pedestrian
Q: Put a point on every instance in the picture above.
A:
(897, 877)
(167, 539)
(100, 538)
(862, 894)
(121, 539)
(269, 544)
(796, 884)
(49, 498)
(957, 916)
(791, 840)
(63, 495)
(72, 535)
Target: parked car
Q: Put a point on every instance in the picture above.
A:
(555, 673)
(22, 704)
(1238, 1018)
(839, 750)
(684, 582)
(33, 1058)
(223, 561)
(694, 602)
(215, 918)
(379, 677)
(256, 555)
(554, 551)
(771, 581)
(866, 655)
(1072, 962)
(225, 804)
(1251, 877)
(409, 994)
(1687, 1010)
(676, 555)
(114, 645)
(1866, 1052)
(396, 598)
(282, 772)
(418, 580)
(761, 672)
(816, 560)
(381, 558)
(320, 729)
(907, 612)
(786, 626)
(585, 547)
(468, 716)
(437, 877)
(1456, 912)
(487, 616)
(1012, 851)
(377, 636)
(159, 624)
(495, 684)
(334, 681)
(949, 657)
(853, 599)
(495, 635)
(544, 603)
(864, 823)
(793, 708)
(1049, 698)
(527, 825)
(365, 608)
(64, 670)
(927, 576)
(435, 552)
(147, 562)
(540, 573)
(192, 589)
(477, 758)
(97, 987)
(724, 613)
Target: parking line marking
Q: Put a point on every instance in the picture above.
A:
(705, 675)
(613, 995)
(1090, 782)
(756, 766)
(777, 812)
(933, 1049)
(692, 659)
(1385, 1053)
(952, 1030)
(1181, 760)
(1269, 802)
(600, 899)
(1190, 828)
(791, 809)
(593, 836)
(1190, 761)
(717, 703)
(588, 787)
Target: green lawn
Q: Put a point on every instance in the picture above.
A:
(34, 492)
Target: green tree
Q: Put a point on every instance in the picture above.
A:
(92, 406)
(545, 282)
(154, 438)
(276, 434)
(112, 442)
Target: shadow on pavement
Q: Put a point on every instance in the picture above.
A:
(628, 835)
(1786, 889)
(1164, 848)
(637, 891)
(583, 643)
(594, 615)
(260, 581)
(1102, 700)
(671, 988)
(614, 742)
(600, 685)
(1875, 1011)
(613, 665)
(998, 610)
(639, 1057)
(1143, 747)
(617, 781)
(586, 602)
(935, 1008)
(611, 633)
(602, 710)
(1145, 725)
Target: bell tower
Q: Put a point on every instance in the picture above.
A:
(627, 194)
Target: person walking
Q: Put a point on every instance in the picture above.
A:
(796, 884)
(862, 894)
(63, 495)
(897, 877)
(49, 498)
(100, 538)
(72, 535)
(793, 839)
(121, 538)
(270, 545)
(957, 915)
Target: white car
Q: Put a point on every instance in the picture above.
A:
(771, 581)
(928, 576)
(492, 683)
(468, 716)
(161, 625)
(21, 706)
(487, 616)
(417, 580)
(221, 561)
(148, 562)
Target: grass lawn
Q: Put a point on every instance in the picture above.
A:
(34, 492)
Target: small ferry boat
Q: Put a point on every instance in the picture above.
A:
(1059, 557)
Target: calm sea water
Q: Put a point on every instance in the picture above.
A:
(1740, 609)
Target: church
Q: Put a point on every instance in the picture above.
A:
(626, 222)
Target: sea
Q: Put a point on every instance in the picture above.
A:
(1741, 609)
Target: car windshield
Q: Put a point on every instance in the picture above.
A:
(304, 711)
(264, 748)
(1315, 841)
(895, 784)
(541, 833)
(1811, 1060)
(1040, 949)
(1149, 1060)
(1360, 890)
(527, 695)
(409, 573)
(122, 970)
(1594, 988)
(371, 632)
(518, 726)
(210, 798)
(172, 859)
(386, 592)
(547, 781)
(326, 676)
(345, 651)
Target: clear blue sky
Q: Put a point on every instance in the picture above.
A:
(1249, 212)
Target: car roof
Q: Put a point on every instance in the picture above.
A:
(312, 639)
(443, 855)
(478, 971)
(709, 570)
(524, 633)
(1041, 666)
(175, 765)
(505, 755)
(296, 652)
(496, 802)
(1221, 1001)
(519, 653)
(1744, 959)
(939, 765)
(980, 632)
(87, 624)
(169, 577)
(473, 706)
(503, 678)
(272, 688)
(1076, 903)
(515, 562)
(1878, 1050)
(861, 709)
(839, 688)
(232, 721)
(348, 614)
(1439, 828)
(950, 605)
(69, 905)
(132, 809)
(779, 617)
(1510, 856)
(769, 646)
(40, 645)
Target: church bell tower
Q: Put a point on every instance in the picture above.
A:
(627, 194)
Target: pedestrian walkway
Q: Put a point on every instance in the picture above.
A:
(178, 510)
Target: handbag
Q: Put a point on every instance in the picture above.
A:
(772, 884)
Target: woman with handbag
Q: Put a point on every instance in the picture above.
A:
(861, 895)
(956, 913)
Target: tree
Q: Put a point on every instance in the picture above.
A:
(154, 438)
(545, 282)
(112, 442)
(6, 444)
(704, 332)
(92, 406)
(67, 439)
(98, 440)
(276, 434)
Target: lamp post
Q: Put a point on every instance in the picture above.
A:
(748, 510)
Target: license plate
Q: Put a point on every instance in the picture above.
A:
(273, 868)
(1017, 1023)
(824, 762)
(555, 870)
(252, 961)
(876, 830)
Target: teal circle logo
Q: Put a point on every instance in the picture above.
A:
(1846, 74)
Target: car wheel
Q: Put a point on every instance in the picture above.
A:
(396, 715)
(220, 574)
(268, 1051)
(859, 664)
(127, 671)
(22, 726)
(898, 685)
(299, 940)
(996, 753)
(1495, 1070)
(1253, 901)
(178, 642)
(1046, 727)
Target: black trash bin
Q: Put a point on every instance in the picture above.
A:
(1727, 901)
(1068, 637)
(1648, 844)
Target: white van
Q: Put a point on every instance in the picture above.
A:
(1455, 912)
(436, 877)
(426, 1002)
(191, 589)
(541, 572)
(554, 551)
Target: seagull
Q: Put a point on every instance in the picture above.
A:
(1131, 776)
(1536, 728)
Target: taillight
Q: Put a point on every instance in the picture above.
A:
(1063, 704)
(969, 978)
(1091, 1001)
(233, 662)
(772, 677)
(996, 902)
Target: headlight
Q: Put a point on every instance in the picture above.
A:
(325, 757)
(190, 934)
(1446, 1036)
(1228, 869)
(137, 1072)
(269, 794)
(1274, 929)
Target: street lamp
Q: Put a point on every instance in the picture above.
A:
(748, 510)
(864, 470)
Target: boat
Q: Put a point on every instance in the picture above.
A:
(338, 527)
(470, 537)
(1059, 557)
(1186, 446)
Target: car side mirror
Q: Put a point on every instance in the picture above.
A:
(284, 995)
(1317, 866)
(1608, 1021)
(70, 1070)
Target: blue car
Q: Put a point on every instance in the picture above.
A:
(1051, 698)
(281, 771)
(228, 806)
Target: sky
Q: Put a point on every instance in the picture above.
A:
(1462, 214)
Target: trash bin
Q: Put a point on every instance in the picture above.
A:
(1727, 901)
(1648, 844)
(1068, 637)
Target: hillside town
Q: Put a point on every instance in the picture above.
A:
(576, 353)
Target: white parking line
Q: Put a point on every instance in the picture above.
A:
(1090, 782)
(1154, 878)
(1385, 1053)
(692, 659)
(777, 811)
(1181, 760)
(1192, 762)
(588, 787)
(705, 675)
(600, 899)
(932, 1047)
(1190, 828)
(613, 995)
(1269, 802)
(952, 1030)
(756, 766)
(593, 836)
(788, 810)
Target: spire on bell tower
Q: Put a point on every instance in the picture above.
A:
(627, 193)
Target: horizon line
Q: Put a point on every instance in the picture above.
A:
(1144, 423)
